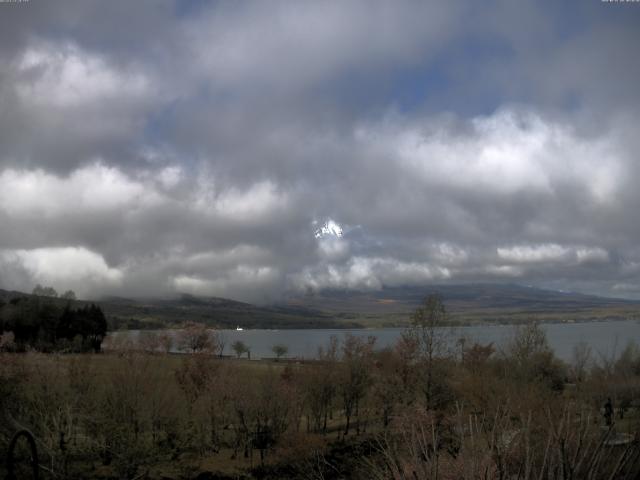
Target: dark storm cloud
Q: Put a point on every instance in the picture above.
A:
(148, 148)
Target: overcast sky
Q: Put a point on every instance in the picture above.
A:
(248, 149)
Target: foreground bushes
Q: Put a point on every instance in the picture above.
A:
(427, 408)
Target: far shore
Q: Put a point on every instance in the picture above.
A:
(407, 324)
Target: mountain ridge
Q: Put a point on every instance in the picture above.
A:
(389, 306)
(477, 302)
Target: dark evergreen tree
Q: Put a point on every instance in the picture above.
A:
(97, 326)
(39, 323)
(67, 325)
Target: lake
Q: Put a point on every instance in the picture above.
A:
(606, 338)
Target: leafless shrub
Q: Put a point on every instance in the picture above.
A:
(197, 338)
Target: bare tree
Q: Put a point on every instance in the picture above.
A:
(431, 338)
(320, 385)
(166, 342)
(195, 337)
(355, 377)
(528, 340)
(580, 361)
(41, 291)
(222, 342)
(240, 348)
(68, 295)
(280, 350)
(149, 342)
(7, 342)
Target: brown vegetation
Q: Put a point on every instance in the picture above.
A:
(429, 407)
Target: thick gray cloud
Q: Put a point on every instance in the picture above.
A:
(156, 147)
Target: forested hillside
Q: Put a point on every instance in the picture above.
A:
(50, 324)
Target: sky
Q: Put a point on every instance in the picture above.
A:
(253, 149)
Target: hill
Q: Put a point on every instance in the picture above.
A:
(216, 312)
(472, 303)
(156, 313)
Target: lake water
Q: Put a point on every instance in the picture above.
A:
(605, 337)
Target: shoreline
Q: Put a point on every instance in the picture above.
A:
(397, 326)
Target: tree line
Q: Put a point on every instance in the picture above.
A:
(430, 406)
(41, 323)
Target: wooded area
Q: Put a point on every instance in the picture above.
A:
(429, 407)
(40, 323)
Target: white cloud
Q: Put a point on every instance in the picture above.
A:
(285, 45)
(222, 260)
(448, 254)
(76, 268)
(193, 285)
(260, 199)
(533, 253)
(333, 249)
(170, 177)
(64, 75)
(244, 281)
(199, 158)
(552, 253)
(253, 203)
(93, 188)
(503, 271)
(507, 152)
(626, 288)
(592, 255)
(369, 273)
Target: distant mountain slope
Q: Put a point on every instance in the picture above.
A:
(216, 312)
(472, 302)
(6, 295)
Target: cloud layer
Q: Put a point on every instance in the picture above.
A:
(246, 150)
